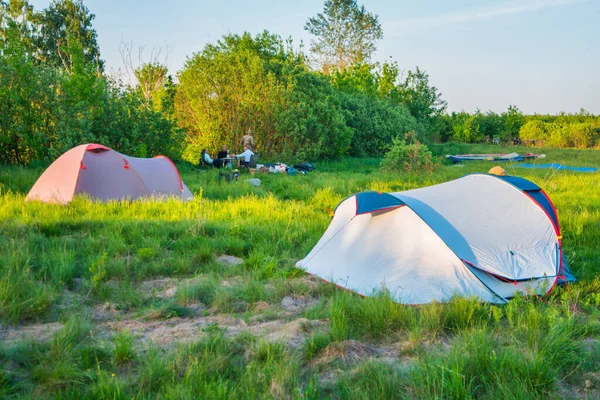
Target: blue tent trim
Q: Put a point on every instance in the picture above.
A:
(372, 201)
(519, 182)
(540, 197)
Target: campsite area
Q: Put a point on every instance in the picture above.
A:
(201, 299)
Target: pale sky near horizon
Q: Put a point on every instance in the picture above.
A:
(540, 55)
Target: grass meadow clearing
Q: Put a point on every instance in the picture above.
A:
(134, 299)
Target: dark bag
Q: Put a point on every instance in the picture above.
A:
(308, 167)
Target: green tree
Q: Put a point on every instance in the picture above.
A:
(422, 99)
(513, 120)
(491, 124)
(534, 130)
(63, 24)
(387, 78)
(346, 33)
(357, 78)
(16, 22)
(466, 128)
(258, 82)
(375, 122)
(151, 78)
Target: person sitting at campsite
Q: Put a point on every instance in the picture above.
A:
(244, 158)
(248, 140)
(224, 153)
(206, 159)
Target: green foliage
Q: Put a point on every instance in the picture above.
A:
(97, 273)
(465, 128)
(409, 155)
(151, 78)
(123, 352)
(561, 134)
(371, 380)
(581, 130)
(345, 32)
(379, 105)
(513, 119)
(375, 122)
(64, 24)
(480, 127)
(259, 82)
(53, 98)
(423, 100)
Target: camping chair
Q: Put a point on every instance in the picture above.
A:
(202, 164)
(217, 163)
(252, 163)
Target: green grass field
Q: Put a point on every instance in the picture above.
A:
(131, 300)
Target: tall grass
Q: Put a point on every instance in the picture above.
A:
(101, 253)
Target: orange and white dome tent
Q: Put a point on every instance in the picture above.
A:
(104, 174)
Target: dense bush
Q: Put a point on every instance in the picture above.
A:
(50, 111)
(258, 82)
(46, 109)
(564, 130)
(480, 127)
(375, 122)
(409, 155)
(579, 135)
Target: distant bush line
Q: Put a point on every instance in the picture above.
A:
(55, 94)
(579, 130)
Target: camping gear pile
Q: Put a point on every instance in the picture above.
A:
(281, 168)
(494, 157)
(482, 235)
(104, 175)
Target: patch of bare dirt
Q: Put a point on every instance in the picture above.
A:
(349, 352)
(36, 332)
(310, 280)
(162, 287)
(164, 333)
(182, 330)
(297, 303)
(292, 332)
(105, 311)
(260, 306)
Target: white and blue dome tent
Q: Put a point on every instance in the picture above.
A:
(481, 235)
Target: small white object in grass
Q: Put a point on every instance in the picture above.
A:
(254, 181)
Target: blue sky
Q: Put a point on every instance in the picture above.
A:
(540, 55)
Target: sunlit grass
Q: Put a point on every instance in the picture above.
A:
(530, 348)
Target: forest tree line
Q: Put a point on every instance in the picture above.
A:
(577, 130)
(56, 94)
